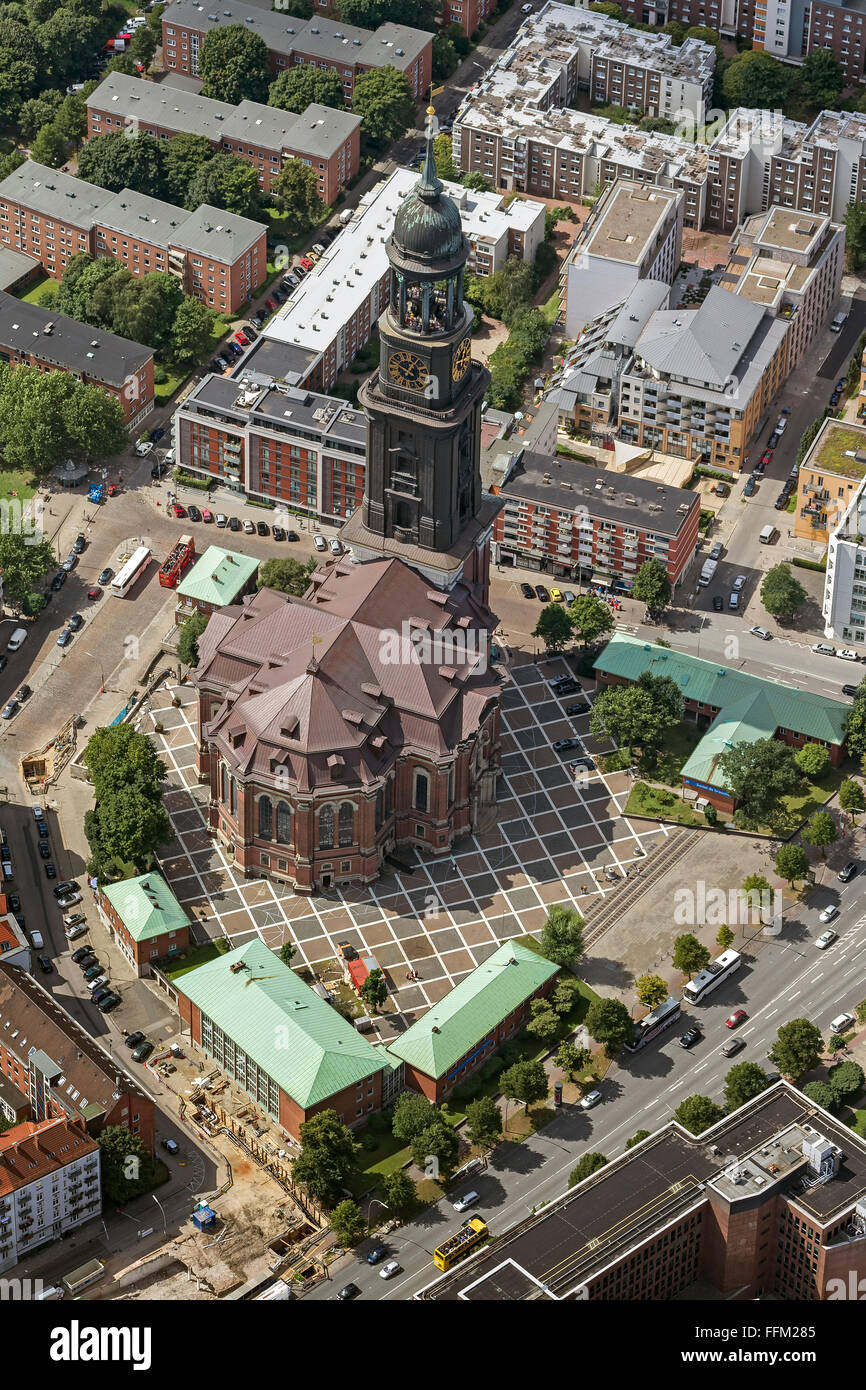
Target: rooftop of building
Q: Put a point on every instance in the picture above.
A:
(34, 1149)
(279, 407)
(146, 906)
(749, 128)
(66, 343)
(563, 483)
(749, 707)
(55, 194)
(472, 1009)
(142, 217)
(625, 222)
(789, 230)
(84, 1079)
(221, 235)
(839, 448)
(218, 577)
(560, 1249)
(14, 266)
(257, 1001)
(395, 45)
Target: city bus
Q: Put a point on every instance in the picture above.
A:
(471, 1234)
(81, 1278)
(126, 577)
(709, 979)
(663, 1016)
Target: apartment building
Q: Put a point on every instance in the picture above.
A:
(328, 141)
(217, 578)
(792, 264)
(296, 448)
(217, 256)
(634, 232)
(831, 509)
(63, 1071)
(467, 13)
(332, 315)
(320, 42)
(51, 342)
(769, 1201)
(145, 920)
(702, 379)
(50, 1184)
(578, 521)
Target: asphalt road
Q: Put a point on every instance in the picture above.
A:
(783, 977)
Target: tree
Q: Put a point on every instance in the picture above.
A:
(724, 937)
(637, 1138)
(184, 156)
(846, 1081)
(855, 234)
(652, 586)
(192, 330)
(327, 1159)
(638, 714)
(125, 1163)
(190, 632)
(797, 1048)
(820, 830)
(791, 862)
(288, 952)
(37, 112)
(233, 64)
(69, 40)
(121, 62)
(553, 627)
(70, 119)
(227, 181)
(297, 88)
(22, 565)
(743, 1082)
(445, 57)
(49, 147)
(296, 193)
(610, 1023)
(571, 1058)
(144, 45)
(591, 617)
(689, 955)
(412, 1114)
(562, 934)
(781, 594)
(812, 759)
(399, 1191)
(820, 79)
(383, 99)
(477, 182)
(543, 1022)
(436, 1149)
(697, 1113)
(130, 827)
(755, 78)
(119, 160)
(347, 1222)
(483, 1122)
(759, 775)
(524, 1081)
(650, 990)
(21, 66)
(851, 798)
(821, 1094)
(442, 153)
(45, 417)
(755, 891)
(119, 756)
(288, 576)
(374, 990)
(566, 991)
(589, 1163)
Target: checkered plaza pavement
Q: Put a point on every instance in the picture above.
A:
(556, 841)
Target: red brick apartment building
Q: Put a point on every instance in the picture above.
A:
(60, 1069)
(145, 919)
(771, 1202)
(578, 521)
(263, 136)
(320, 42)
(218, 257)
(40, 338)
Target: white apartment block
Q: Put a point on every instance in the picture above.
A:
(844, 602)
(634, 232)
(49, 1185)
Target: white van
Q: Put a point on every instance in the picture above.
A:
(842, 1023)
(768, 535)
(18, 638)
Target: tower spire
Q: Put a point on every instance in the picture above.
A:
(430, 185)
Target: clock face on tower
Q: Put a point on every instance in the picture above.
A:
(462, 358)
(408, 370)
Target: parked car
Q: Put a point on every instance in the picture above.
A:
(334, 546)
(80, 543)
(234, 524)
(568, 687)
(50, 870)
(94, 592)
(69, 563)
(542, 593)
(262, 528)
(143, 447)
(292, 536)
(565, 745)
(591, 1099)
(65, 638)
(206, 514)
(740, 583)
(584, 763)
(73, 933)
(690, 1037)
(846, 654)
(75, 623)
(527, 590)
(92, 972)
(848, 871)
(221, 519)
(110, 1002)
(278, 533)
(378, 1253)
(849, 690)
(157, 434)
(571, 710)
(193, 513)
(10, 709)
(823, 649)
(271, 304)
(716, 551)
(97, 995)
(44, 965)
(44, 849)
(569, 597)
(69, 885)
(241, 337)
(320, 543)
(142, 1052)
(751, 485)
(718, 602)
(761, 632)
(82, 953)
(249, 527)
(69, 900)
(781, 502)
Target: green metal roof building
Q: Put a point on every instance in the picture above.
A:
(284, 1044)
(146, 918)
(739, 707)
(218, 578)
(463, 1030)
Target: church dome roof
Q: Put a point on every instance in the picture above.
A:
(427, 226)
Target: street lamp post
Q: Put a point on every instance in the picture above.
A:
(162, 1210)
(375, 1201)
(101, 671)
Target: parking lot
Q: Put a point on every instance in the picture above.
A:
(557, 840)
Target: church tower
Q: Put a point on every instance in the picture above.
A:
(423, 500)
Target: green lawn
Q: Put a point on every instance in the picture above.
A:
(31, 296)
(665, 805)
(192, 958)
(550, 307)
(167, 388)
(816, 794)
(680, 742)
(13, 481)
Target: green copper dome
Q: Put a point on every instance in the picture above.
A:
(427, 227)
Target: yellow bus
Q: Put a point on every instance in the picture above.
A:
(457, 1247)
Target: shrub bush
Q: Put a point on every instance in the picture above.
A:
(468, 1089)
(187, 479)
(492, 1067)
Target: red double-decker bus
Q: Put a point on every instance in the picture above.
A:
(176, 562)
